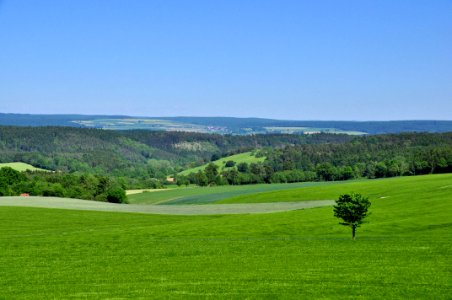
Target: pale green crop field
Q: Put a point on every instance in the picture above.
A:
(181, 209)
(246, 157)
(20, 166)
(403, 252)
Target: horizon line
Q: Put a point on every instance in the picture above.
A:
(231, 117)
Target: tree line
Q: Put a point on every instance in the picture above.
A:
(78, 186)
(143, 159)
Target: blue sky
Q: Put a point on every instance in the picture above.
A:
(305, 60)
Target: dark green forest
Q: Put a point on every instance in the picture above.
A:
(137, 156)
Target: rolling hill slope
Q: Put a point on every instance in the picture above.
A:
(403, 252)
(398, 187)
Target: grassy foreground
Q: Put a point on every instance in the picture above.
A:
(403, 252)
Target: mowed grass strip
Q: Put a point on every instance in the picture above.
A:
(394, 188)
(403, 252)
(213, 209)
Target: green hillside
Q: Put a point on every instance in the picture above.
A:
(265, 193)
(134, 154)
(396, 187)
(403, 252)
(20, 166)
(246, 157)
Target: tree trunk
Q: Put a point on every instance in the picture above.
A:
(353, 232)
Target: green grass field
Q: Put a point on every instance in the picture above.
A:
(246, 157)
(375, 189)
(404, 251)
(20, 166)
(202, 195)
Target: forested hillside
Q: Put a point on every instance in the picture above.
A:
(71, 149)
(139, 157)
(136, 154)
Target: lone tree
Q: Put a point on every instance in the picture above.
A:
(352, 209)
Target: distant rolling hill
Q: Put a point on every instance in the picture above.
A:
(132, 153)
(225, 125)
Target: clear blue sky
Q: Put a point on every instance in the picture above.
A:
(306, 60)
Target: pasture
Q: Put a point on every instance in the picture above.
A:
(20, 166)
(403, 252)
(246, 157)
(397, 187)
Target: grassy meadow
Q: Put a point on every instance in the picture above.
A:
(20, 166)
(395, 187)
(402, 252)
(246, 157)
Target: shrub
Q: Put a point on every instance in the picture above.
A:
(116, 194)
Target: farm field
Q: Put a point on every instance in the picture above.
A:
(246, 157)
(375, 188)
(310, 130)
(140, 123)
(175, 124)
(403, 252)
(139, 191)
(20, 166)
(203, 195)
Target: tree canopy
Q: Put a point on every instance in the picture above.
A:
(352, 209)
